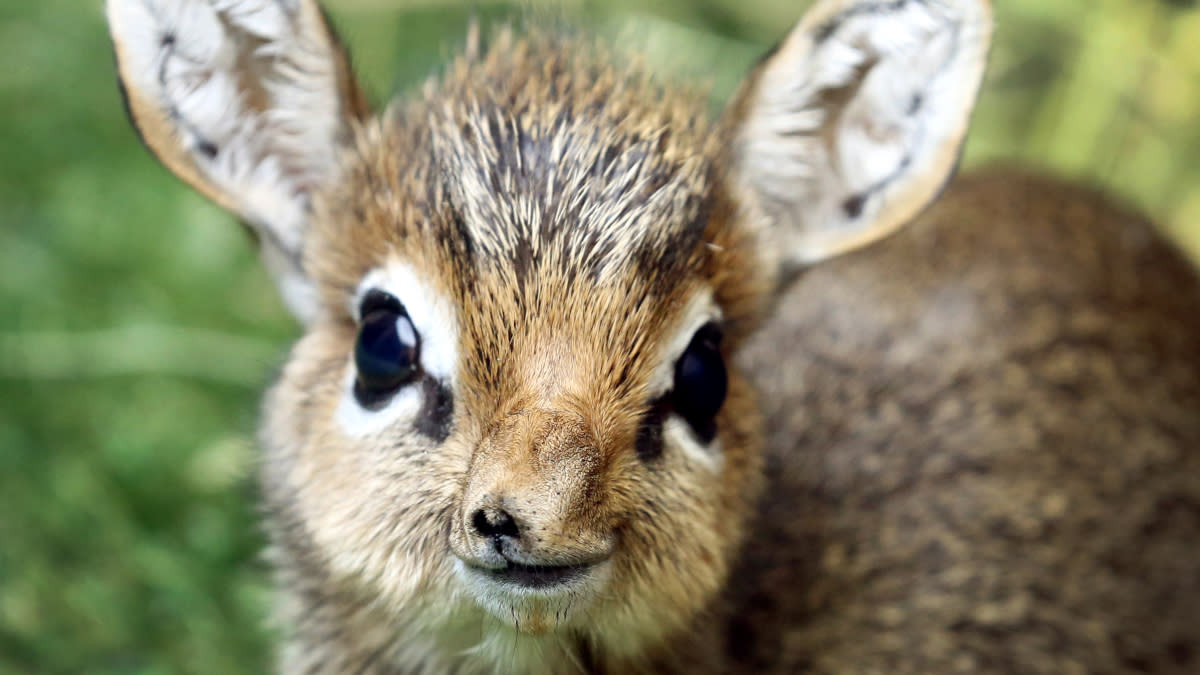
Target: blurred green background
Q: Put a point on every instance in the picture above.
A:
(136, 328)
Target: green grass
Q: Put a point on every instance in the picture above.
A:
(136, 327)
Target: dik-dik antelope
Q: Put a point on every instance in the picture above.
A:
(591, 381)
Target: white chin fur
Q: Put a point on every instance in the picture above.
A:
(534, 609)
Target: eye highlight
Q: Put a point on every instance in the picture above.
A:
(701, 382)
(387, 351)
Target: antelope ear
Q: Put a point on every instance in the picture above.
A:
(248, 101)
(856, 121)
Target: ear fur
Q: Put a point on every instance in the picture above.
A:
(855, 122)
(248, 101)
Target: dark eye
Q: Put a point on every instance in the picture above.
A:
(387, 351)
(701, 382)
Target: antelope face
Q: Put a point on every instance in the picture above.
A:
(513, 405)
(524, 396)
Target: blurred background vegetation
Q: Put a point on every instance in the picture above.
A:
(136, 328)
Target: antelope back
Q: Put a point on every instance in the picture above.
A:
(989, 437)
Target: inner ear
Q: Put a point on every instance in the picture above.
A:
(248, 101)
(857, 120)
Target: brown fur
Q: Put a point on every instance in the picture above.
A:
(1027, 500)
(970, 447)
(566, 294)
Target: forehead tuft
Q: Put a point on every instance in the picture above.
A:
(543, 155)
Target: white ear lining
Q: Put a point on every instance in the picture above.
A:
(242, 99)
(855, 123)
(198, 57)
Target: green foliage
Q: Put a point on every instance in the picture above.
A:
(136, 328)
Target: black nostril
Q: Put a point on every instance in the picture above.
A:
(495, 523)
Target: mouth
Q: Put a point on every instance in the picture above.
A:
(533, 599)
(534, 576)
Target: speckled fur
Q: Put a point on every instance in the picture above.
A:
(982, 434)
(973, 446)
(992, 467)
(568, 215)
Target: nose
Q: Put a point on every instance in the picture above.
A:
(533, 494)
(495, 523)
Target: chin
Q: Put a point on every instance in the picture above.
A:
(536, 601)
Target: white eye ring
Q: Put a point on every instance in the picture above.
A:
(359, 421)
(432, 315)
(701, 309)
(676, 432)
(435, 322)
